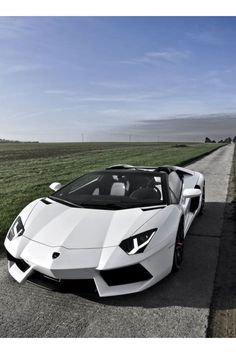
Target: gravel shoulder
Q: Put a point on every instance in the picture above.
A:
(222, 320)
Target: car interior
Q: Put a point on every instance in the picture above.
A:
(134, 186)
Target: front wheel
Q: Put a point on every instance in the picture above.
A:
(179, 249)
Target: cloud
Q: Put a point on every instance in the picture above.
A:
(205, 37)
(168, 55)
(114, 85)
(123, 114)
(185, 128)
(13, 28)
(59, 92)
(219, 78)
(217, 83)
(190, 116)
(22, 68)
(148, 96)
(26, 116)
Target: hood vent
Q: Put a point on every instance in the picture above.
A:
(45, 201)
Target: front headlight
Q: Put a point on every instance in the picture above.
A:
(16, 230)
(137, 244)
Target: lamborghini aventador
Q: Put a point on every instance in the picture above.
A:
(123, 227)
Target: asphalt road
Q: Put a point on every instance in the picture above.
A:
(176, 307)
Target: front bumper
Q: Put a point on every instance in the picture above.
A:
(103, 266)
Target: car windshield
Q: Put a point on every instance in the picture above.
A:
(114, 190)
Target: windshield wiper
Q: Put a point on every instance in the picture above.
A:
(152, 207)
(62, 201)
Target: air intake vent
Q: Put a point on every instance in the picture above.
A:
(125, 275)
(45, 201)
(21, 264)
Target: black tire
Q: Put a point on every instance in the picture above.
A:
(203, 201)
(179, 249)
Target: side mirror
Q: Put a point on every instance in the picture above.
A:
(55, 186)
(192, 193)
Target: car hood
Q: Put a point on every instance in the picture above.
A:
(58, 225)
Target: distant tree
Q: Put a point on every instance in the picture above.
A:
(207, 140)
(221, 141)
(228, 140)
(2, 141)
(213, 141)
(234, 139)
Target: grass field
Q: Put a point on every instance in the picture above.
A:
(26, 170)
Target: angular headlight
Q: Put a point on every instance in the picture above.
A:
(137, 244)
(16, 230)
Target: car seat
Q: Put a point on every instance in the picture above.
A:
(118, 189)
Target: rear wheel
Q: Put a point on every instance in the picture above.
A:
(179, 249)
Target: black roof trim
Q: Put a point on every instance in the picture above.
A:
(168, 169)
(165, 168)
(130, 167)
(121, 167)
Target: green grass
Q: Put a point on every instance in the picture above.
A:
(26, 170)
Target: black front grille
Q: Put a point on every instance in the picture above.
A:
(21, 264)
(75, 286)
(125, 275)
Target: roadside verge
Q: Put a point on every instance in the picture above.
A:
(222, 318)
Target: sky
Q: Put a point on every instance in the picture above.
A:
(117, 78)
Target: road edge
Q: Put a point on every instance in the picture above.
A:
(199, 157)
(222, 314)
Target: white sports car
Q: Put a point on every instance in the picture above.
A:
(123, 227)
